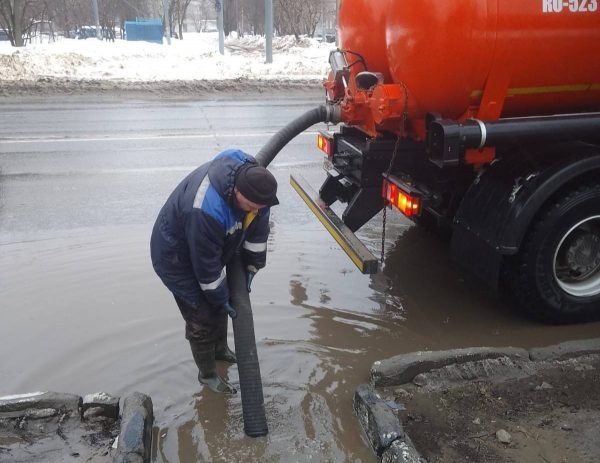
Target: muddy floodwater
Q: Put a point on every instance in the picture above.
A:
(81, 181)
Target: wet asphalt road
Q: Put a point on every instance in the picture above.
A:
(81, 182)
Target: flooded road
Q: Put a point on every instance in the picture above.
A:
(81, 182)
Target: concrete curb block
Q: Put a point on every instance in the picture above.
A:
(100, 405)
(566, 349)
(402, 452)
(380, 424)
(23, 404)
(375, 414)
(135, 438)
(401, 369)
(382, 428)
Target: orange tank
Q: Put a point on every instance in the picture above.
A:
(469, 58)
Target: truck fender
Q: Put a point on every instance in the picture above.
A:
(500, 205)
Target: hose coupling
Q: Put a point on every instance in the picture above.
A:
(333, 113)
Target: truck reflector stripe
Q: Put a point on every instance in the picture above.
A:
(255, 247)
(359, 254)
(215, 284)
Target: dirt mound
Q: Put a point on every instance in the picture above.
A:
(548, 415)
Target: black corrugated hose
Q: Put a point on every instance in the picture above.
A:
(323, 113)
(253, 405)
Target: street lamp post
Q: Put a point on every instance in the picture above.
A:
(337, 35)
(219, 8)
(167, 22)
(269, 30)
(97, 18)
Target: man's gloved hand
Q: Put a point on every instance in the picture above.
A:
(250, 272)
(230, 310)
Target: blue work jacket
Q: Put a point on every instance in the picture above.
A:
(200, 228)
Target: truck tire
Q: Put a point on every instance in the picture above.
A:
(556, 275)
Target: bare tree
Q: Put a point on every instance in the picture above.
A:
(69, 15)
(286, 17)
(16, 17)
(297, 17)
(230, 16)
(177, 12)
(40, 24)
(253, 16)
(312, 15)
(200, 13)
(125, 10)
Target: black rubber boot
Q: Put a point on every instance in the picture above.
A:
(222, 350)
(204, 356)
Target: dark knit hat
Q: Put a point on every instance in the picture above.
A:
(257, 184)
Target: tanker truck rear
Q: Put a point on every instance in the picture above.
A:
(481, 117)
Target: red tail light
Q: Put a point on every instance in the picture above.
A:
(325, 143)
(409, 204)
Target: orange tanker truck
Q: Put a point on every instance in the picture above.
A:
(481, 117)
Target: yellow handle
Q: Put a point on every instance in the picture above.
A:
(248, 219)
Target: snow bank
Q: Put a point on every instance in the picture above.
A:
(196, 57)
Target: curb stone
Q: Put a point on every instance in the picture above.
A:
(134, 442)
(135, 439)
(52, 426)
(565, 349)
(100, 403)
(23, 404)
(382, 428)
(402, 452)
(403, 368)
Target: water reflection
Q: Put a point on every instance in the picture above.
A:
(298, 292)
(432, 298)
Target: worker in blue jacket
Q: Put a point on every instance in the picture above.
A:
(220, 208)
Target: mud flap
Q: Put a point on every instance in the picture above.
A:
(359, 254)
(474, 254)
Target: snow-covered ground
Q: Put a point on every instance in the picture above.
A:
(196, 57)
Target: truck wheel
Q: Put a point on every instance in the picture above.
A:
(556, 276)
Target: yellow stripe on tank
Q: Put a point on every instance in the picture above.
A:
(542, 90)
